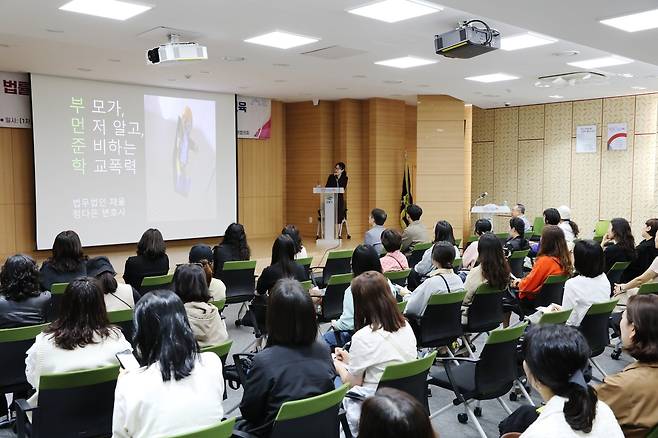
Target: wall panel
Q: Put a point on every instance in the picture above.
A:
(505, 160)
(557, 155)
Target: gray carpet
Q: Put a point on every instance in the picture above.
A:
(445, 424)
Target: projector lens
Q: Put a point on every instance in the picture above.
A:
(154, 55)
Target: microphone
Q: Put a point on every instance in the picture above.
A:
(484, 195)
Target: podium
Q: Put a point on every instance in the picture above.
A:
(490, 210)
(328, 214)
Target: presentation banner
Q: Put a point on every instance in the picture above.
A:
(617, 136)
(15, 110)
(254, 117)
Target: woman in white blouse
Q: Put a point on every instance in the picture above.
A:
(80, 338)
(177, 390)
(555, 357)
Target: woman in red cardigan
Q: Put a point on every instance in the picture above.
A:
(553, 259)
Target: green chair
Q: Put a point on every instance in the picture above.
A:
(516, 260)
(616, 271)
(502, 237)
(457, 263)
(555, 317)
(398, 277)
(56, 292)
(551, 291)
(600, 229)
(307, 285)
(78, 403)
(240, 280)
(594, 327)
(58, 288)
(156, 282)
(221, 350)
(653, 433)
(417, 252)
(319, 414)
(338, 262)
(220, 304)
(410, 377)
(458, 242)
(223, 429)
(306, 263)
(648, 288)
(528, 235)
(402, 305)
(441, 323)
(124, 319)
(332, 302)
(486, 311)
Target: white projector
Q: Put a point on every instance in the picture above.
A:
(175, 51)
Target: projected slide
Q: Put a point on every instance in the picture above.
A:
(112, 160)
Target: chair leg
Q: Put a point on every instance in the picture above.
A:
(442, 410)
(598, 368)
(504, 405)
(474, 419)
(524, 392)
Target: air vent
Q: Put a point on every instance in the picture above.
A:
(334, 52)
(570, 79)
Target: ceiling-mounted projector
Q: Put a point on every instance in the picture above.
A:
(175, 51)
(467, 41)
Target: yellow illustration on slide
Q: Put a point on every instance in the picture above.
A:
(182, 149)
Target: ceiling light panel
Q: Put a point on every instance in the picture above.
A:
(114, 9)
(281, 40)
(524, 41)
(606, 61)
(392, 11)
(406, 62)
(495, 77)
(634, 22)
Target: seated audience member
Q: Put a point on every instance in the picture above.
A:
(645, 252)
(21, 302)
(415, 231)
(364, 258)
(442, 279)
(283, 265)
(618, 243)
(516, 240)
(590, 286)
(569, 227)
(519, 211)
(631, 393)
(492, 269)
(176, 390)
(391, 413)
(67, 263)
(293, 232)
(383, 337)
(551, 217)
(191, 285)
(442, 233)
(118, 296)
(292, 366)
(556, 357)
(151, 259)
(624, 290)
(202, 255)
(553, 259)
(393, 260)
(373, 236)
(80, 338)
(233, 248)
(471, 252)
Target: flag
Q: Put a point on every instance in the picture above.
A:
(406, 198)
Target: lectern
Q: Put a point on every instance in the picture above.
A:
(490, 210)
(328, 214)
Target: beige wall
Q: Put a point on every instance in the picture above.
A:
(527, 154)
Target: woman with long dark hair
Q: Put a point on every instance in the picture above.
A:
(234, 247)
(67, 262)
(339, 180)
(293, 232)
(151, 259)
(283, 265)
(80, 338)
(443, 232)
(618, 243)
(556, 357)
(645, 251)
(21, 301)
(177, 389)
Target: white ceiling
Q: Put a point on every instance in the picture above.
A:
(113, 51)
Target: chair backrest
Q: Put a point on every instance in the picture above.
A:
(156, 282)
(56, 292)
(332, 302)
(307, 285)
(458, 243)
(402, 305)
(306, 263)
(502, 237)
(398, 277)
(551, 291)
(516, 260)
(78, 403)
(616, 271)
(338, 262)
(410, 377)
(220, 350)
(219, 304)
(58, 288)
(417, 252)
(457, 263)
(223, 429)
(238, 276)
(442, 322)
(486, 311)
(594, 326)
(648, 288)
(555, 317)
(497, 368)
(123, 319)
(537, 226)
(14, 343)
(318, 414)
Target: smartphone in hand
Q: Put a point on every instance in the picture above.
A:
(127, 360)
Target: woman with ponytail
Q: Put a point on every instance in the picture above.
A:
(555, 357)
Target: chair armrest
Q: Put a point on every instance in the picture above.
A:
(450, 359)
(242, 434)
(22, 408)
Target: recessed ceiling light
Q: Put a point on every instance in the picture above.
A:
(233, 58)
(626, 75)
(392, 11)
(393, 82)
(606, 61)
(114, 9)
(556, 96)
(525, 40)
(84, 69)
(281, 40)
(406, 62)
(495, 77)
(634, 22)
(639, 88)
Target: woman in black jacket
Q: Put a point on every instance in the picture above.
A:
(618, 243)
(151, 259)
(67, 263)
(646, 251)
(21, 302)
(233, 248)
(283, 265)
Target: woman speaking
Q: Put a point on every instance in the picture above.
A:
(339, 179)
